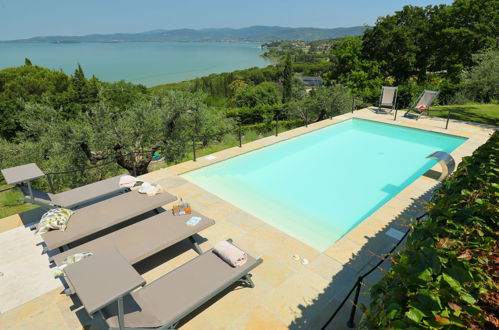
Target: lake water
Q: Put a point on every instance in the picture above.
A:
(148, 63)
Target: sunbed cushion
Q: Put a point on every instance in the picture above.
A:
(144, 238)
(54, 219)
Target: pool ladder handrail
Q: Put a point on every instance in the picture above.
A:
(446, 161)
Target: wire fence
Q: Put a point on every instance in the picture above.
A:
(358, 284)
(192, 147)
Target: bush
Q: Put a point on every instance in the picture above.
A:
(481, 82)
(447, 275)
(265, 93)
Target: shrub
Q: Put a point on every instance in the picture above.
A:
(447, 275)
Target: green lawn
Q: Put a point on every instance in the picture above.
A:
(11, 202)
(474, 112)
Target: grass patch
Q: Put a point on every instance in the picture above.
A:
(11, 202)
(473, 112)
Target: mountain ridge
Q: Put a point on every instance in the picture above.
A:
(256, 33)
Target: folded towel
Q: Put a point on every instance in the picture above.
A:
(230, 254)
(127, 181)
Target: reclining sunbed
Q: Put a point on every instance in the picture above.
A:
(112, 294)
(103, 215)
(23, 176)
(388, 98)
(422, 104)
(143, 239)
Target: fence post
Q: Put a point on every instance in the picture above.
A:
(306, 117)
(448, 116)
(194, 147)
(351, 323)
(353, 103)
(240, 136)
(395, 117)
(277, 124)
(51, 185)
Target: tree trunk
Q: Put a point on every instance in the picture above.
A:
(136, 163)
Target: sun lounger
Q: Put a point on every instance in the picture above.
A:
(388, 98)
(423, 103)
(144, 238)
(23, 176)
(103, 215)
(160, 304)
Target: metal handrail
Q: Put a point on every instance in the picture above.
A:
(5, 189)
(358, 284)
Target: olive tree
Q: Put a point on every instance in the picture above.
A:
(127, 137)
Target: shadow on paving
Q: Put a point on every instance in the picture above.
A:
(316, 314)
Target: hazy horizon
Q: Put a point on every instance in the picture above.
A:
(31, 18)
(161, 29)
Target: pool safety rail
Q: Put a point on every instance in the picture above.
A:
(446, 122)
(359, 283)
(446, 161)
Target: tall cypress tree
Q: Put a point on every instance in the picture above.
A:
(79, 83)
(287, 76)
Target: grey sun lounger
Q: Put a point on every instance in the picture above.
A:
(425, 100)
(103, 215)
(388, 98)
(160, 304)
(144, 238)
(23, 175)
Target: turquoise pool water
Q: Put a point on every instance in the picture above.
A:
(319, 186)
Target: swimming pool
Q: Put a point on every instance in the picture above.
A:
(318, 186)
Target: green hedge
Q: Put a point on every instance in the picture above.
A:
(447, 274)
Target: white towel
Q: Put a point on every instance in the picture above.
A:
(127, 181)
(230, 254)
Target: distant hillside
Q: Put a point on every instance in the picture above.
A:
(249, 34)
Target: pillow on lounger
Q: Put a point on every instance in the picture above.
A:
(59, 271)
(54, 219)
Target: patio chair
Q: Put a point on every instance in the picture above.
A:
(143, 239)
(160, 304)
(423, 103)
(388, 98)
(104, 215)
(23, 176)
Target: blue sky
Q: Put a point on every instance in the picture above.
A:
(28, 18)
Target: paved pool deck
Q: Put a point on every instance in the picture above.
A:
(288, 294)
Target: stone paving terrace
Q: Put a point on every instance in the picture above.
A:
(288, 294)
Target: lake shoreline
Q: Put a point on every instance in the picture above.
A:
(150, 63)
